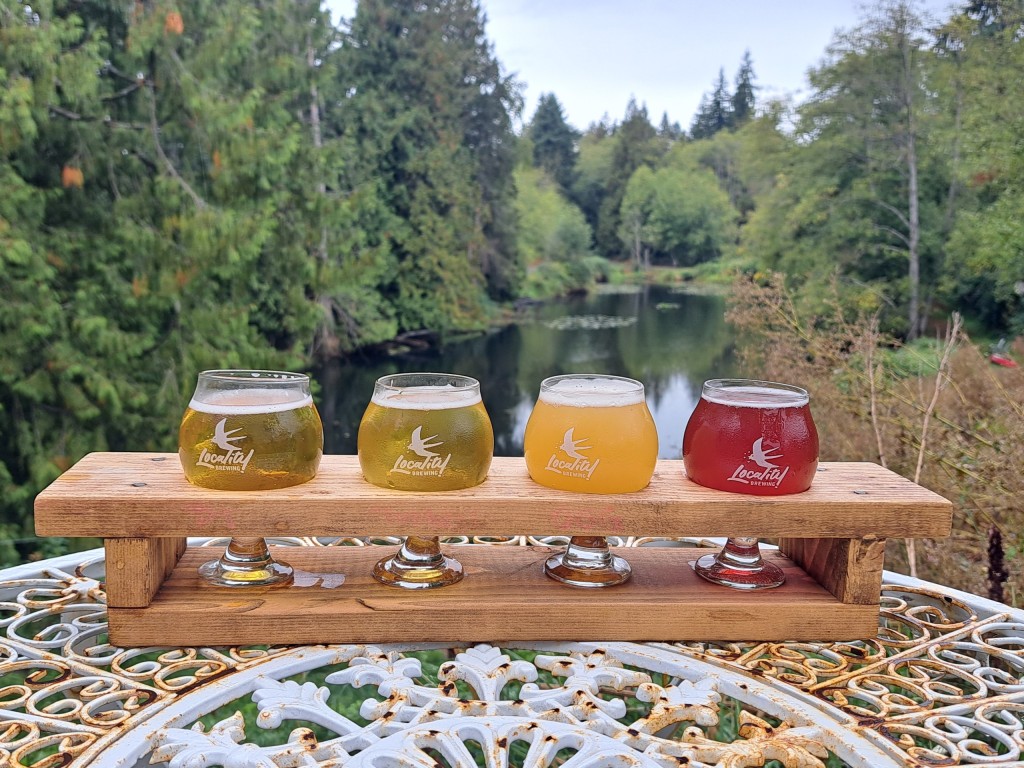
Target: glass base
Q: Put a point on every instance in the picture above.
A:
(222, 573)
(763, 576)
(394, 572)
(587, 562)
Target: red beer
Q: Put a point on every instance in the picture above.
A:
(753, 437)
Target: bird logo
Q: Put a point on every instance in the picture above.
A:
(572, 447)
(763, 458)
(420, 445)
(223, 436)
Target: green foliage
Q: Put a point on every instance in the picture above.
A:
(715, 111)
(636, 144)
(554, 238)
(743, 97)
(554, 141)
(678, 213)
(430, 113)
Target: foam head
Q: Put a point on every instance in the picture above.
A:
(591, 391)
(251, 401)
(754, 396)
(426, 398)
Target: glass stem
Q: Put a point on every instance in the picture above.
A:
(587, 552)
(742, 553)
(249, 552)
(421, 551)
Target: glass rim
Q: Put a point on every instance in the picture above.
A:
(252, 375)
(723, 386)
(551, 381)
(387, 382)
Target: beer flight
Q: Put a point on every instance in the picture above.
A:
(588, 433)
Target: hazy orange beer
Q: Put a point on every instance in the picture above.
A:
(591, 433)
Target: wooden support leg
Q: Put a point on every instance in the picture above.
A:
(137, 567)
(851, 569)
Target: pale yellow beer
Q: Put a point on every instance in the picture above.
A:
(248, 439)
(433, 436)
(591, 433)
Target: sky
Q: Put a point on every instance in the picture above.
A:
(594, 55)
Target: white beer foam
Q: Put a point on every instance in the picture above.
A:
(240, 402)
(756, 397)
(593, 393)
(427, 398)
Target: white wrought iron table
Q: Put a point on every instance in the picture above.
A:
(941, 684)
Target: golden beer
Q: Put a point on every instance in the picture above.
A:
(424, 432)
(591, 434)
(431, 437)
(243, 436)
(248, 430)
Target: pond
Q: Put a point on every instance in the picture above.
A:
(670, 340)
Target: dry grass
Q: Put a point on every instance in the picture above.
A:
(949, 420)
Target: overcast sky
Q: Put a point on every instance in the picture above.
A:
(595, 54)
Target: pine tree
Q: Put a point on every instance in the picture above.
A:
(715, 111)
(743, 97)
(430, 115)
(554, 141)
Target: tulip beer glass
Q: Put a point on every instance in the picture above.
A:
(424, 432)
(246, 431)
(590, 433)
(753, 437)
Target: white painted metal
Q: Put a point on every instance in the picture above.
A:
(943, 683)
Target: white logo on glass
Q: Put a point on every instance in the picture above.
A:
(580, 466)
(221, 436)
(429, 464)
(766, 474)
(234, 459)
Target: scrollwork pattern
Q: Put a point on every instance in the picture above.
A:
(941, 684)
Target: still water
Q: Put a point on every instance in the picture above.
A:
(670, 341)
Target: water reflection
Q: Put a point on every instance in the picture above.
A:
(676, 342)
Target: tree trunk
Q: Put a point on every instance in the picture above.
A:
(326, 341)
(913, 203)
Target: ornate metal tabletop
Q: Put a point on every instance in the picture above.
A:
(941, 684)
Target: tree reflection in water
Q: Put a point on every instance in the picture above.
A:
(670, 341)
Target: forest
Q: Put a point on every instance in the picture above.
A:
(188, 185)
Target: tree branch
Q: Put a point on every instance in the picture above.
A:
(894, 211)
(154, 127)
(123, 92)
(895, 233)
(66, 113)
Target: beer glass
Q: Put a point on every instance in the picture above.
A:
(248, 430)
(753, 437)
(590, 433)
(424, 432)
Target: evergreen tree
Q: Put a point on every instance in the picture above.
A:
(667, 131)
(635, 145)
(430, 114)
(715, 111)
(554, 141)
(743, 97)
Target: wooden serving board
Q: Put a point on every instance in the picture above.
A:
(831, 538)
(146, 495)
(503, 597)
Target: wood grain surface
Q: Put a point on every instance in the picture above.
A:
(504, 597)
(146, 494)
(851, 569)
(136, 568)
